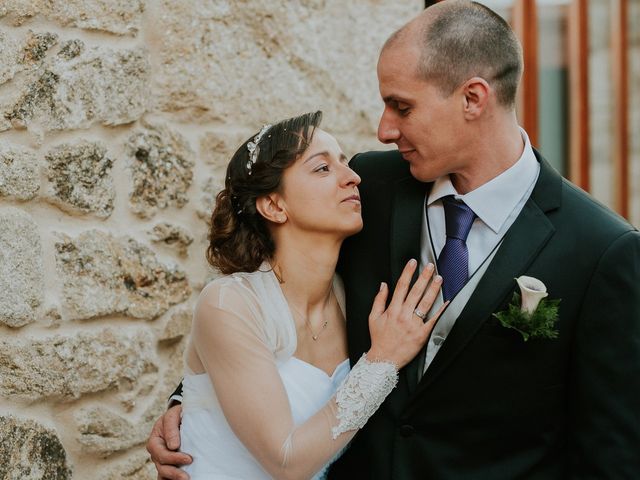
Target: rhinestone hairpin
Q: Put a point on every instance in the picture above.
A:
(253, 147)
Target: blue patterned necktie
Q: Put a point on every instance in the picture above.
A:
(453, 262)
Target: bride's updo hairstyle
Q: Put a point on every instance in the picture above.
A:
(239, 240)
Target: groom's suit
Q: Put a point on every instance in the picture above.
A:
(490, 405)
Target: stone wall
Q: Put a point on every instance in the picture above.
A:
(117, 118)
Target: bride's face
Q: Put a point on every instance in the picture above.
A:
(320, 191)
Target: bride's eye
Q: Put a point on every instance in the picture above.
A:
(322, 168)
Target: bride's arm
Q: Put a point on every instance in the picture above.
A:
(254, 401)
(231, 344)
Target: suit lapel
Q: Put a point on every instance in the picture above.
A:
(406, 223)
(522, 243)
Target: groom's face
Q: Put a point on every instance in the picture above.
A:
(426, 125)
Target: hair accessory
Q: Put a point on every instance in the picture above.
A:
(236, 205)
(253, 148)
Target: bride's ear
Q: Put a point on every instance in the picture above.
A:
(271, 208)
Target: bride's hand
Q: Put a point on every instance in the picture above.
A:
(398, 333)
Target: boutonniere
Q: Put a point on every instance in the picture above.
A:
(529, 312)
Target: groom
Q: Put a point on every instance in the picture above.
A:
(467, 191)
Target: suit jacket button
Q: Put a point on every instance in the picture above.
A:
(407, 430)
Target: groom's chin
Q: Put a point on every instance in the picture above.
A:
(421, 175)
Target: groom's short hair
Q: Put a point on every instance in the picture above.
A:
(460, 39)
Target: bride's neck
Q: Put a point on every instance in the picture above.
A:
(306, 268)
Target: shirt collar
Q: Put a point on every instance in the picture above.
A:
(493, 201)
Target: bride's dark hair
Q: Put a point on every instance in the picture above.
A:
(239, 240)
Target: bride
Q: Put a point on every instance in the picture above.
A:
(267, 390)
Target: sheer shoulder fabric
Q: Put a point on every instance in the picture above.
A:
(253, 300)
(242, 332)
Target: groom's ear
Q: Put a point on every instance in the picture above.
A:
(476, 93)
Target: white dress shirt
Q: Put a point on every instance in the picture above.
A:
(496, 203)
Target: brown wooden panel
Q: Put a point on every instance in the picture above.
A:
(579, 168)
(525, 24)
(620, 73)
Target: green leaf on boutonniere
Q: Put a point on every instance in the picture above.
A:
(539, 324)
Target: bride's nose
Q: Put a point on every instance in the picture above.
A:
(349, 177)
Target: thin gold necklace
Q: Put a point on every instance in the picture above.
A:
(307, 322)
(314, 335)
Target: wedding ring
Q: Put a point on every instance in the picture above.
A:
(420, 314)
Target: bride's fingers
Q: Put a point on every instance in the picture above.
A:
(417, 291)
(429, 324)
(402, 286)
(426, 302)
(379, 302)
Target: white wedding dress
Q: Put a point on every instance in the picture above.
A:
(260, 412)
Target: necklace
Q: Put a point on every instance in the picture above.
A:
(314, 335)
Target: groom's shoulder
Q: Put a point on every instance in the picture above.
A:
(381, 165)
(592, 214)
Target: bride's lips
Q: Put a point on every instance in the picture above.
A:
(407, 152)
(352, 198)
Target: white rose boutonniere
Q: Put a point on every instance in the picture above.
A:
(529, 313)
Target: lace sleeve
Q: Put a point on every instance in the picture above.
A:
(363, 391)
(231, 345)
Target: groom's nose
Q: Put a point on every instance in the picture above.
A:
(388, 131)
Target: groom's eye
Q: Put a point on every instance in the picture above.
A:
(402, 108)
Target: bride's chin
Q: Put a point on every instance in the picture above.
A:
(355, 229)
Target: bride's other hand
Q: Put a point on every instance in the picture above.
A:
(397, 332)
(165, 435)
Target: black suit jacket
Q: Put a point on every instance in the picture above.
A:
(492, 406)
